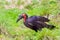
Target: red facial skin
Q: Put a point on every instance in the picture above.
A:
(24, 15)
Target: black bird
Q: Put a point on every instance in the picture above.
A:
(35, 22)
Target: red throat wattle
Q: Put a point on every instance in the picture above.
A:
(24, 15)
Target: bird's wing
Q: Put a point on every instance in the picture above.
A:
(40, 24)
(37, 20)
(42, 19)
(36, 24)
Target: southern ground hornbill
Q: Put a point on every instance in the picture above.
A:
(35, 22)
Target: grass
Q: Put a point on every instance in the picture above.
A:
(17, 31)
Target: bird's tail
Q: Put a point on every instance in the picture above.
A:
(51, 26)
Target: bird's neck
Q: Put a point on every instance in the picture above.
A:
(25, 17)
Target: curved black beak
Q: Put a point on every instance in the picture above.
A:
(19, 18)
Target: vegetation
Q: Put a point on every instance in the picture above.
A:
(10, 30)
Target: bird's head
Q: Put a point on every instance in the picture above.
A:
(23, 15)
